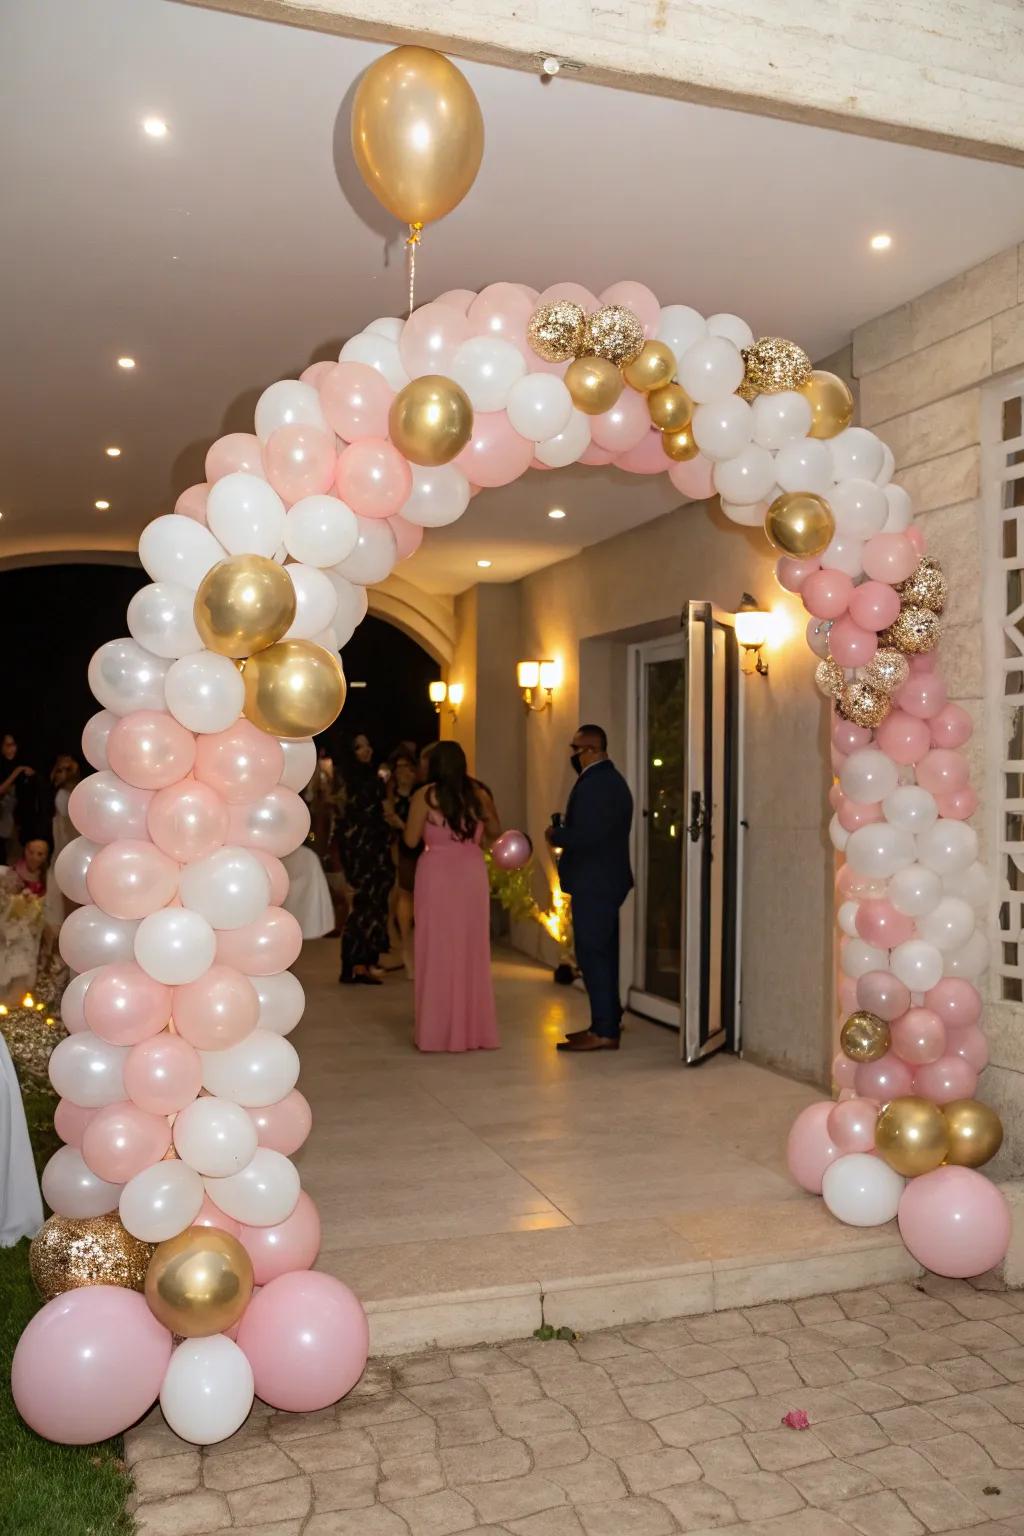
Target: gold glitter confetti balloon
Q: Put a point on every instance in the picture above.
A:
(862, 704)
(800, 524)
(915, 631)
(864, 1036)
(912, 1136)
(975, 1132)
(615, 332)
(96, 1250)
(653, 367)
(831, 403)
(927, 588)
(680, 445)
(557, 331)
(594, 383)
(774, 364)
(830, 678)
(199, 1282)
(887, 670)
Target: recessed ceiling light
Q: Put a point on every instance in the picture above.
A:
(112, 453)
(155, 127)
(881, 242)
(484, 565)
(101, 506)
(126, 362)
(556, 513)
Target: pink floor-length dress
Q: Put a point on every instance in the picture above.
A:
(454, 992)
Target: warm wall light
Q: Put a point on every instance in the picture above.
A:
(531, 675)
(440, 691)
(752, 622)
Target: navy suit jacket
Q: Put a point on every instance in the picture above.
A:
(595, 837)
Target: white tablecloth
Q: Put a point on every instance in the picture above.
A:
(309, 895)
(21, 1205)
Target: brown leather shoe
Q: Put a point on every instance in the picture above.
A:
(586, 1040)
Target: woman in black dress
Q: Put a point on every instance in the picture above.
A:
(364, 843)
(401, 786)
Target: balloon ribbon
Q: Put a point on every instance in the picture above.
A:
(415, 235)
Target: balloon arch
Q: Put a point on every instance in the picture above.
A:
(178, 1108)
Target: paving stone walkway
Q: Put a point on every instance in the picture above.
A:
(915, 1395)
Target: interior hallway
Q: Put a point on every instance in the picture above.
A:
(467, 1198)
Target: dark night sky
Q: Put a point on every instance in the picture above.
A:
(55, 616)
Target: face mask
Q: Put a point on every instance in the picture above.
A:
(577, 762)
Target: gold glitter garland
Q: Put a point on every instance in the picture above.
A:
(773, 364)
(615, 332)
(915, 631)
(557, 332)
(66, 1254)
(927, 588)
(830, 678)
(887, 670)
(862, 704)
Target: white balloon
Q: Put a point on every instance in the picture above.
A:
(844, 554)
(175, 946)
(917, 964)
(351, 610)
(746, 478)
(72, 1004)
(858, 957)
(125, 677)
(204, 693)
(70, 1188)
(320, 530)
(378, 352)
(888, 468)
(388, 325)
(267, 822)
(207, 1390)
(680, 328)
(949, 925)
(246, 514)
(259, 1070)
(95, 736)
(89, 937)
(910, 807)
(777, 419)
(751, 516)
(862, 1190)
(838, 835)
(846, 917)
(160, 618)
(565, 447)
(901, 510)
(439, 495)
(868, 776)
(315, 602)
(817, 636)
(288, 403)
(87, 1070)
(915, 890)
(282, 1000)
(859, 508)
(722, 428)
(486, 368)
(229, 888)
(161, 1201)
(970, 960)
(711, 368)
(972, 884)
(299, 763)
(215, 1137)
(539, 406)
(178, 549)
(375, 553)
(804, 464)
(262, 1195)
(948, 846)
(71, 867)
(732, 328)
(877, 850)
(856, 454)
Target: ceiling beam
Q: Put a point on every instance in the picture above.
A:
(944, 74)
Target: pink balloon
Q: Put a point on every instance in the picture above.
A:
(125, 1005)
(163, 1074)
(238, 452)
(408, 536)
(826, 594)
(211, 1216)
(955, 1222)
(458, 298)
(285, 1125)
(874, 605)
(356, 400)
(240, 764)
(903, 738)
(883, 994)
(879, 923)
(952, 726)
(915, 538)
(89, 1364)
(836, 760)
(70, 1121)
(216, 1011)
(150, 749)
(495, 454)
(810, 1149)
(192, 503)
(72, 1004)
(512, 850)
(120, 1140)
(300, 461)
(131, 879)
(844, 1071)
(846, 994)
(791, 574)
(502, 311)
(851, 1125)
(959, 805)
(278, 822)
(851, 814)
(695, 478)
(316, 373)
(889, 557)
(277, 873)
(594, 454)
(574, 293)
(956, 1001)
(103, 807)
(638, 298)
(373, 478)
(290, 1246)
(918, 1036)
(430, 339)
(850, 645)
(626, 424)
(847, 737)
(885, 1079)
(949, 1078)
(925, 662)
(942, 771)
(647, 457)
(835, 796)
(970, 1044)
(272, 943)
(923, 694)
(187, 820)
(306, 1337)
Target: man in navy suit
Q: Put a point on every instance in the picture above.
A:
(593, 869)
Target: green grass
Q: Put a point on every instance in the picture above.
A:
(47, 1489)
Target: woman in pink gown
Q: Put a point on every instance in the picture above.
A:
(452, 815)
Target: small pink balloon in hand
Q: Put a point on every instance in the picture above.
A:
(512, 850)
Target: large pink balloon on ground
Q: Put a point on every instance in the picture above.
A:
(89, 1364)
(290, 1245)
(810, 1149)
(955, 1222)
(306, 1337)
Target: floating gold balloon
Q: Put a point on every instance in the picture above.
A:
(829, 678)
(864, 1036)
(772, 365)
(831, 403)
(615, 332)
(654, 366)
(431, 420)
(863, 704)
(887, 670)
(93, 1250)
(417, 133)
(912, 1136)
(975, 1132)
(670, 407)
(243, 605)
(594, 383)
(558, 331)
(927, 588)
(915, 631)
(680, 445)
(295, 689)
(199, 1282)
(800, 524)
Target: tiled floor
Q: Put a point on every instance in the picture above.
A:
(915, 1395)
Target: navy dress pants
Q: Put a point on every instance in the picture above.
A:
(595, 921)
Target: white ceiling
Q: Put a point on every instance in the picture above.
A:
(243, 245)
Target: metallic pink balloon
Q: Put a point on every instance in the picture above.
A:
(883, 994)
(512, 850)
(694, 479)
(150, 749)
(942, 771)
(237, 452)
(956, 1001)
(70, 1121)
(187, 820)
(216, 1011)
(852, 814)
(192, 503)
(317, 372)
(408, 536)
(791, 574)
(647, 457)
(874, 605)
(952, 726)
(960, 805)
(163, 1074)
(922, 695)
(306, 1337)
(272, 943)
(131, 879)
(918, 1036)
(501, 311)
(879, 923)
(624, 426)
(903, 737)
(300, 461)
(276, 873)
(495, 454)
(285, 1125)
(885, 1079)
(356, 400)
(211, 1216)
(125, 1005)
(240, 764)
(826, 593)
(810, 1149)
(843, 1071)
(970, 1044)
(955, 1222)
(121, 1140)
(431, 337)
(949, 1078)
(291, 1245)
(851, 1125)
(278, 822)
(373, 478)
(847, 737)
(850, 645)
(592, 453)
(889, 557)
(103, 806)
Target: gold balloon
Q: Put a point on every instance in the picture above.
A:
(863, 704)
(927, 588)
(864, 1036)
(199, 1282)
(93, 1250)
(670, 407)
(651, 368)
(557, 331)
(431, 420)
(244, 604)
(975, 1132)
(887, 670)
(417, 133)
(680, 445)
(615, 332)
(831, 403)
(594, 383)
(772, 365)
(295, 689)
(800, 524)
(915, 631)
(830, 678)
(912, 1136)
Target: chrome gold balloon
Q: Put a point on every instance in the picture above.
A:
(431, 420)
(68, 1252)
(294, 690)
(975, 1132)
(680, 445)
(243, 605)
(912, 1136)
(594, 383)
(800, 524)
(653, 367)
(864, 1036)
(831, 403)
(199, 1282)
(670, 407)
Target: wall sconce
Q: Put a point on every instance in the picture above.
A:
(751, 632)
(453, 692)
(531, 675)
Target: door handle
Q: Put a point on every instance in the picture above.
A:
(696, 826)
